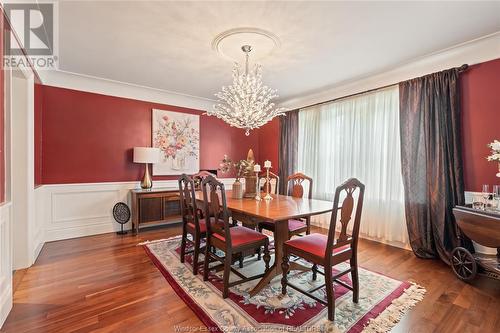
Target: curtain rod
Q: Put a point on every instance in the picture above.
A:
(460, 70)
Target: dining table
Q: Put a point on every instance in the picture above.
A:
(279, 210)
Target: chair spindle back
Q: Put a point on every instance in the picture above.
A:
(350, 186)
(272, 188)
(198, 177)
(297, 188)
(189, 211)
(214, 197)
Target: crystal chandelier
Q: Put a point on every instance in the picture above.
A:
(247, 102)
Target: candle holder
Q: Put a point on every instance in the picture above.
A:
(257, 190)
(268, 184)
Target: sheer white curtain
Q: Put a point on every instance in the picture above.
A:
(358, 137)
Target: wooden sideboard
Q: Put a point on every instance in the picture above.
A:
(155, 207)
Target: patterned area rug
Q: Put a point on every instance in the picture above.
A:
(382, 302)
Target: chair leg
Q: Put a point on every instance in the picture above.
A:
(183, 244)
(308, 224)
(240, 260)
(227, 271)
(355, 281)
(259, 251)
(267, 256)
(330, 293)
(207, 261)
(285, 267)
(315, 272)
(196, 254)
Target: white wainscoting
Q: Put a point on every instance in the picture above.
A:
(76, 210)
(5, 262)
(38, 228)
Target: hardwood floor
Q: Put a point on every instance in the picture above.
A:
(106, 283)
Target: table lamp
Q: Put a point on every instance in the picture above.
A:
(146, 155)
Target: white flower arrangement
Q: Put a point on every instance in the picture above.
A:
(495, 154)
(495, 151)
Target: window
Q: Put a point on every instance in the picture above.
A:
(358, 137)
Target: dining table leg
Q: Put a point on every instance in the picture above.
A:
(280, 237)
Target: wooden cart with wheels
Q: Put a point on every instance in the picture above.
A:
(483, 227)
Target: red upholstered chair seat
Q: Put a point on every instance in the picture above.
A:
(241, 236)
(203, 225)
(293, 225)
(314, 244)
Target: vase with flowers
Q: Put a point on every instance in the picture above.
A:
(243, 169)
(495, 154)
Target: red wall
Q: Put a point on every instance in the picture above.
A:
(89, 137)
(269, 142)
(480, 93)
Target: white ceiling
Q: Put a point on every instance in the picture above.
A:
(167, 45)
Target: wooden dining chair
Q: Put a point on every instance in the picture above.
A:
(198, 177)
(192, 222)
(295, 226)
(274, 183)
(327, 251)
(227, 238)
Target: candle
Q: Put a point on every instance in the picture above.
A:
(267, 164)
(256, 168)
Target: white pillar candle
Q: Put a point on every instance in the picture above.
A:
(256, 168)
(267, 164)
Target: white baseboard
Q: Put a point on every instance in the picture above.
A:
(6, 303)
(77, 210)
(5, 262)
(38, 232)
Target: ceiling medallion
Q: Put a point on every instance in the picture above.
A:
(228, 43)
(247, 103)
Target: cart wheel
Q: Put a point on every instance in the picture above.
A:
(463, 264)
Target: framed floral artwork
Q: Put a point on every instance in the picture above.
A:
(178, 137)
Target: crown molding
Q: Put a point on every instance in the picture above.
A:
(69, 80)
(472, 52)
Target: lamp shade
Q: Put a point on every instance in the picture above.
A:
(146, 155)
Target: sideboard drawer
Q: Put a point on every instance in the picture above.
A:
(155, 207)
(150, 209)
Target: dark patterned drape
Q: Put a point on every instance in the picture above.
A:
(288, 147)
(431, 159)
